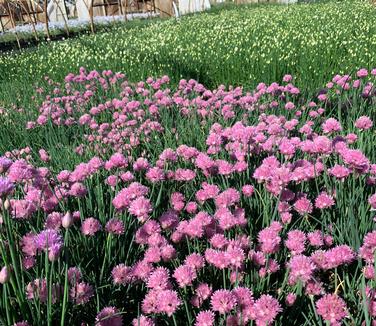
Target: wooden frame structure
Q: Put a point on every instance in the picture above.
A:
(16, 12)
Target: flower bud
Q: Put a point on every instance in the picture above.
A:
(67, 220)
(4, 275)
(54, 253)
(6, 204)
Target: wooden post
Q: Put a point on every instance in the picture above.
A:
(126, 10)
(27, 10)
(1, 24)
(46, 19)
(12, 21)
(91, 14)
(63, 15)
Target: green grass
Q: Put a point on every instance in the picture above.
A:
(240, 46)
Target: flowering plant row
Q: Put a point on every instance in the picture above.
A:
(190, 206)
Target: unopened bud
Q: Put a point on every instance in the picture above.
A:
(67, 220)
(53, 254)
(6, 204)
(4, 275)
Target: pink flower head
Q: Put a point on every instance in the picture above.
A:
(195, 261)
(372, 201)
(140, 207)
(248, 190)
(90, 226)
(44, 155)
(301, 269)
(287, 78)
(74, 275)
(37, 289)
(223, 301)
(290, 299)
(121, 274)
(303, 206)
(48, 240)
(363, 123)
(168, 302)
(362, 73)
(266, 308)
(143, 321)
(331, 308)
(366, 251)
(81, 293)
(315, 238)
(184, 275)
(115, 226)
(269, 240)
(296, 241)
(6, 187)
(109, 316)
(331, 125)
(205, 318)
(324, 200)
(159, 279)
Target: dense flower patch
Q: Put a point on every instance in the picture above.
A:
(192, 206)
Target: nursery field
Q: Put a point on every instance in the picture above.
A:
(138, 187)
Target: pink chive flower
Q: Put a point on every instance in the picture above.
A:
(143, 321)
(301, 269)
(90, 226)
(287, 78)
(191, 207)
(363, 123)
(315, 238)
(223, 301)
(324, 200)
(121, 274)
(331, 125)
(140, 207)
(289, 106)
(81, 293)
(195, 261)
(331, 308)
(369, 272)
(168, 302)
(372, 201)
(78, 190)
(159, 279)
(115, 226)
(266, 309)
(184, 275)
(5, 163)
(38, 289)
(109, 316)
(339, 171)
(248, 190)
(362, 73)
(269, 240)
(296, 241)
(203, 292)
(303, 206)
(22, 323)
(290, 299)
(366, 251)
(74, 275)
(48, 239)
(205, 318)
(53, 221)
(44, 155)
(6, 187)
